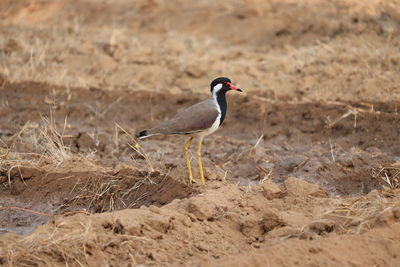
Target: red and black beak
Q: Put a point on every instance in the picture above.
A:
(234, 87)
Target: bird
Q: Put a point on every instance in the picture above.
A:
(198, 120)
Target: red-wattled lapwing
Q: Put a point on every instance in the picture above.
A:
(201, 119)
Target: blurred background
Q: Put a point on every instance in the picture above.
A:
(308, 49)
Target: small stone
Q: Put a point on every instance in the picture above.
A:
(202, 208)
(271, 190)
(209, 231)
(214, 174)
(300, 188)
(321, 227)
(251, 226)
(271, 220)
(186, 221)
(203, 246)
(210, 174)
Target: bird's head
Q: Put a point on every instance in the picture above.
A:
(222, 84)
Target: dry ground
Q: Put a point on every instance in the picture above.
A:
(304, 172)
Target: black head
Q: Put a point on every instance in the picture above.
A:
(222, 84)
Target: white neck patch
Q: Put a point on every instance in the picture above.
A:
(216, 89)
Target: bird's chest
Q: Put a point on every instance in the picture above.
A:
(215, 124)
(213, 127)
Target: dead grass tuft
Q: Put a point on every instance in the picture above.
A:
(52, 140)
(388, 175)
(355, 111)
(45, 146)
(133, 144)
(358, 214)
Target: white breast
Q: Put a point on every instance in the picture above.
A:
(215, 125)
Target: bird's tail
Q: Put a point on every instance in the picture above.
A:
(142, 134)
(145, 134)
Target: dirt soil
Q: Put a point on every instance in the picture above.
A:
(304, 172)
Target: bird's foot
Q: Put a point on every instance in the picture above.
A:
(191, 180)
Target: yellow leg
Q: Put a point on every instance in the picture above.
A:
(199, 161)
(191, 180)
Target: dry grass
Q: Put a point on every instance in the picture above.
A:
(53, 144)
(359, 214)
(348, 66)
(389, 175)
(133, 144)
(42, 140)
(47, 151)
(35, 145)
(354, 111)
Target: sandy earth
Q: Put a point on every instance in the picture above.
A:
(304, 172)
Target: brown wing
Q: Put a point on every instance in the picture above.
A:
(193, 119)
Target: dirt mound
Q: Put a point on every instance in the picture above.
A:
(223, 220)
(81, 186)
(345, 250)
